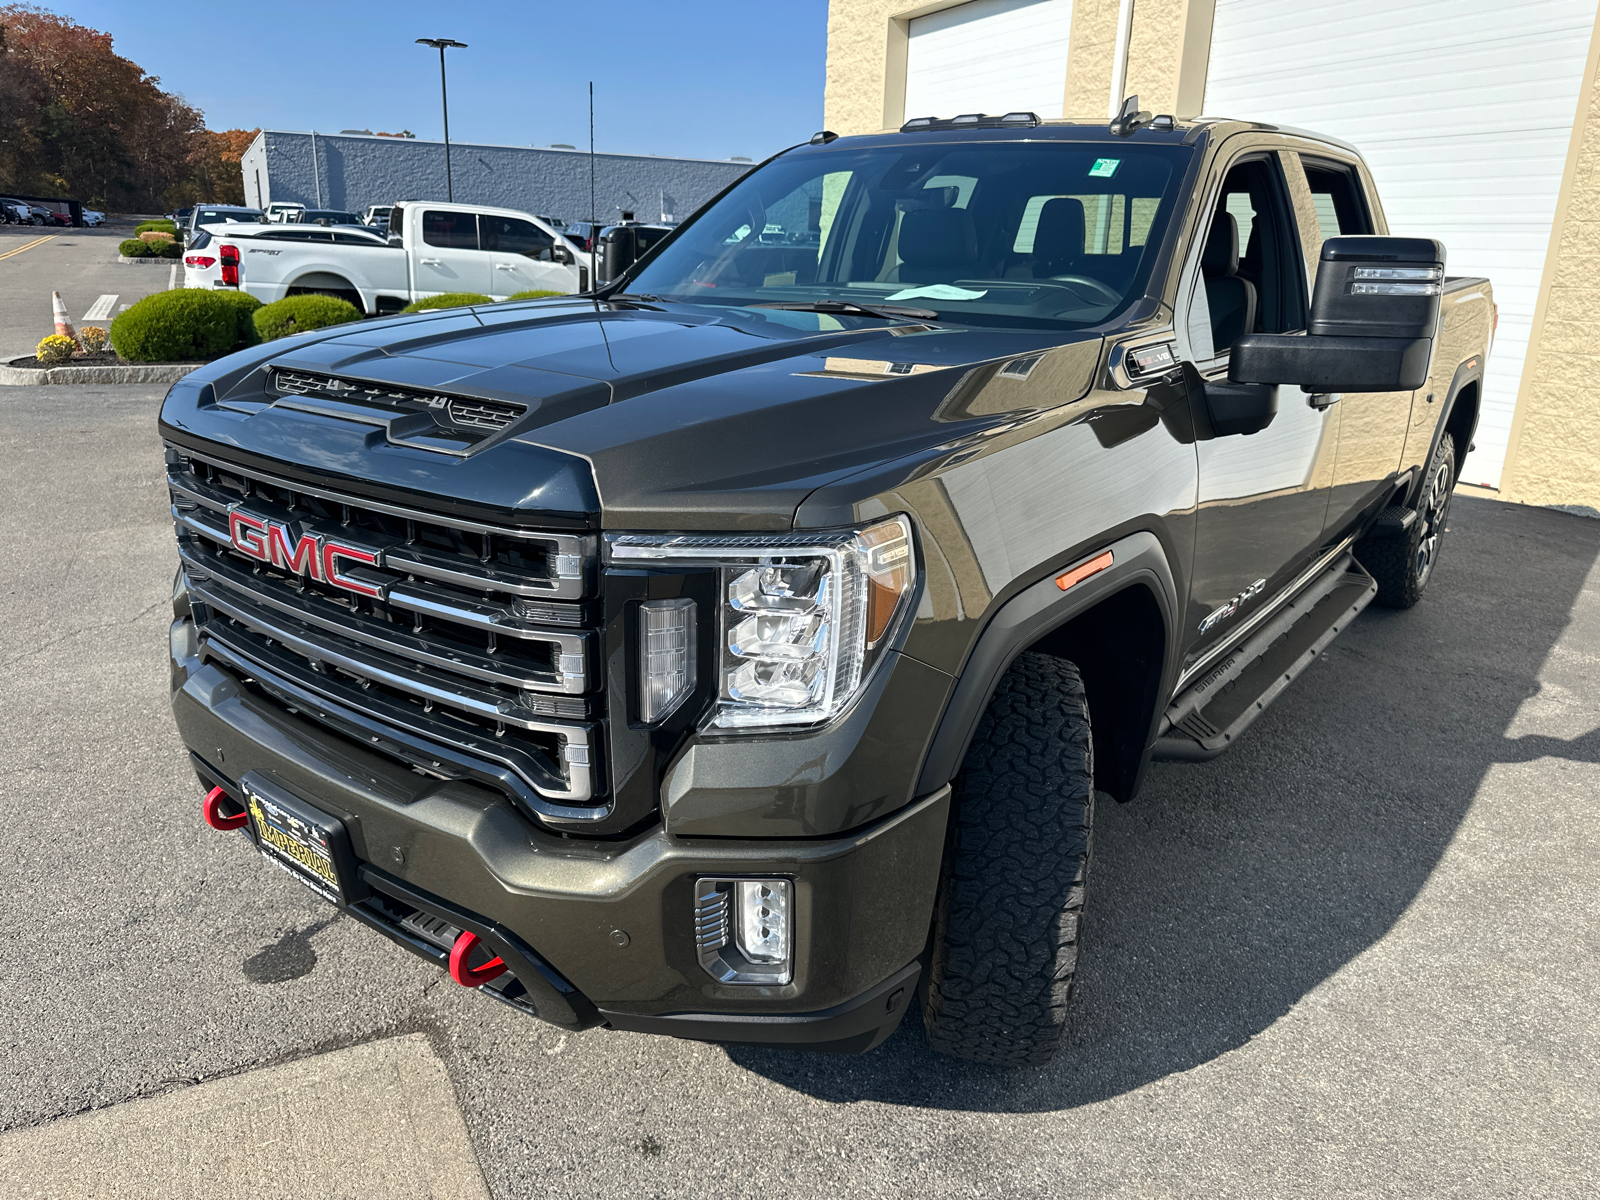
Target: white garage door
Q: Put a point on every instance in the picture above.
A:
(989, 56)
(1463, 109)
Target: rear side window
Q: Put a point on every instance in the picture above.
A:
(509, 235)
(1337, 195)
(450, 230)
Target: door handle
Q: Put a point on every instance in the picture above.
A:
(504, 267)
(431, 262)
(1323, 399)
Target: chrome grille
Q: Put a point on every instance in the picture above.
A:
(466, 411)
(472, 654)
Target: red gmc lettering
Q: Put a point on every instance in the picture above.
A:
(332, 552)
(246, 533)
(302, 560)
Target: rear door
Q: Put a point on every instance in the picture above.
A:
(1372, 425)
(522, 256)
(1263, 497)
(447, 258)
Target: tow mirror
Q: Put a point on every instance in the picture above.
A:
(1374, 314)
(560, 254)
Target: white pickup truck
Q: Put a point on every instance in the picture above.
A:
(430, 249)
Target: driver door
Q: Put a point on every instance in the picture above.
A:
(1263, 497)
(525, 257)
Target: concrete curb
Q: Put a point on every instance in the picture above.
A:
(148, 262)
(152, 373)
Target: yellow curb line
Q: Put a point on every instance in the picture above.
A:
(30, 245)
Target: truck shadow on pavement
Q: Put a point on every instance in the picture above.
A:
(1229, 890)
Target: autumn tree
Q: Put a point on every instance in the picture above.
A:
(78, 119)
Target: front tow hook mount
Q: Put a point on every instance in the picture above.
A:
(472, 977)
(212, 811)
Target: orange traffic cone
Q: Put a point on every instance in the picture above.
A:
(64, 322)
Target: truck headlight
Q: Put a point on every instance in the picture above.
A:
(802, 616)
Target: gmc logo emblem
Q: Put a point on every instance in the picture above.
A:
(269, 542)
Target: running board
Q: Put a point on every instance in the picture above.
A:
(1204, 719)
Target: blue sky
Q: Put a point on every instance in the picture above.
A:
(704, 78)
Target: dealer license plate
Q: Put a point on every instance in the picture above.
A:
(300, 838)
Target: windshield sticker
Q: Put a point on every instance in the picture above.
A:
(937, 291)
(1104, 168)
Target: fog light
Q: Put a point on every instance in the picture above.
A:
(666, 656)
(744, 929)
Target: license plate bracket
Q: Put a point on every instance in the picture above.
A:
(298, 837)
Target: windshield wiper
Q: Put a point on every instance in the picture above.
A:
(888, 312)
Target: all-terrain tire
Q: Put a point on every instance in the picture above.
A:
(1009, 917)
(1404, 565)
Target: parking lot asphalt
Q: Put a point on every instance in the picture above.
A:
(1358, 955)
(81, 264)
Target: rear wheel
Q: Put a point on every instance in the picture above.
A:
(1008, 920)
(1404, 565)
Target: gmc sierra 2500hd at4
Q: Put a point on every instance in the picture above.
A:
(737, 652)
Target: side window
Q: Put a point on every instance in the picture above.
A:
(1251, 276)
(1336, 192)
(450, 230)
(509, 235)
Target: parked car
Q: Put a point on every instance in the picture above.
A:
(49, 216)
(220, 214)
(442, 248)
(180, 218)
(378, 216)
(281, 211)
(583, 233)
(16, 212)
(211, 259)
(326, 216)
(741, 654)
(93, 217)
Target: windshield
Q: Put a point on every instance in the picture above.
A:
(1035, 234)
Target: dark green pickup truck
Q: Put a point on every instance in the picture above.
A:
(739, 651)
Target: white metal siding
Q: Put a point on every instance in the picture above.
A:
(1462, 108)
(989, 56)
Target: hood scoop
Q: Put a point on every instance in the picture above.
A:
(420, 417)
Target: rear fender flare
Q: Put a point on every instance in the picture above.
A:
(1469, 372)
(1139, 559)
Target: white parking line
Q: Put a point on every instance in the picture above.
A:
(172, 277)
(101, 309)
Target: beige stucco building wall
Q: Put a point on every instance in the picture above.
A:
(1554, 452)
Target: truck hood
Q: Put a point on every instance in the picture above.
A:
(687, 416)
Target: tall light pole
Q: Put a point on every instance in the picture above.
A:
(439, 44)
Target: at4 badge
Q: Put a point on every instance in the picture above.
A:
(1232, 606)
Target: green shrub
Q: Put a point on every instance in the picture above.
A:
(134, 248)
(185, 324)
(300, 313)
(168, 249)
(448, 300)
(155, 227)
(533, 295)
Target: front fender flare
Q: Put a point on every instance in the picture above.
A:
(1138, 559)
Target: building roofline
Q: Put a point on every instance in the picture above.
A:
(457, 145)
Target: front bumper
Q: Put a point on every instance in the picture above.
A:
(596, 932)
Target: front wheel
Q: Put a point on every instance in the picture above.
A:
(1009, 915)
(1404, 565)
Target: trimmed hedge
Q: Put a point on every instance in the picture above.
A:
(134, 248)
(168, 249)
(448, 300)
(296, 314)
(154, 227)
(185, 324)
(534, 295)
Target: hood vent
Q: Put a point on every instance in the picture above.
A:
(460, 411)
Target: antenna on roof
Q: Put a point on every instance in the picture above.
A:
(591, 158)
(1130, 117)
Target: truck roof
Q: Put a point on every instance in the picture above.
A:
(1179, 132)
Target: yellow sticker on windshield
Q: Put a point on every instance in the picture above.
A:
(1104, 168)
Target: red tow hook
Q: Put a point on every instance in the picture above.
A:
(471, 977)
(212, 809)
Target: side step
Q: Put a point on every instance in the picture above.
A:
(1205, 718)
